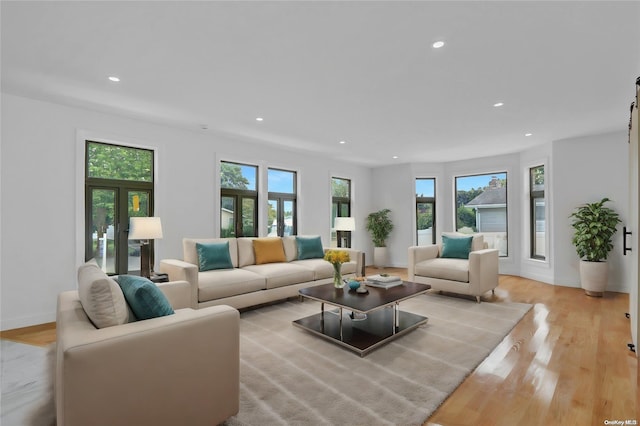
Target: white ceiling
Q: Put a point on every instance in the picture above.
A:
(321, 72)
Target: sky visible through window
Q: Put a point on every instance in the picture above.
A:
(465, 183)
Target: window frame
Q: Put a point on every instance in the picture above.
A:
(121, 188)
(455, 204)
(339, 203)
(239, 195)
(281, 198)
(533, 196)
(428, 200)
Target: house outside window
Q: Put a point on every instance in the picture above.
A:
(425, 211)
(481, 207)
(537, 209)
(282, 214)
(238, 200)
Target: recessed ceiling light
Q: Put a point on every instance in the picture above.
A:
(438, 44)
(528, 134)
(395, 157)
(259, 119)
(114, 79)
(342, 142)
(498, 104)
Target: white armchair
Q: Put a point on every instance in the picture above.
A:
(473, 276)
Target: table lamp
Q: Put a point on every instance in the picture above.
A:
(145, 229)
(343, 224)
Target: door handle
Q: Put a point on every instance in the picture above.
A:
(625, 249)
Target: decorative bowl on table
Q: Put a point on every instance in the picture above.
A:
(353, 284)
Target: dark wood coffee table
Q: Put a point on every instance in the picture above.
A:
(383, 320)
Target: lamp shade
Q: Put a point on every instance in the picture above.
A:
(345, 224)
(145, 228)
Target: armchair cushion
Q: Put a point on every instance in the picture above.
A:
(101, 297)
(456, 247)
(444, 269)
(145, 299)
(213, 256)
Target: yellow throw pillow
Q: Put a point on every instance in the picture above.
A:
(268, 250)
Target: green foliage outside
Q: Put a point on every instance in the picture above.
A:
(594, 226)
(231, 176)
(340, 187)
(466, 218)
(119, 162)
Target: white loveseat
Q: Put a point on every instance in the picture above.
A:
(473, 276)
(248, 283)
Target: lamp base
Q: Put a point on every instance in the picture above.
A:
(145, 269)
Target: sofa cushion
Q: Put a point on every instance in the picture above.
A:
(190, 253)
(144, 297)
(323, 269)
(246, 256)
(445, 269)
(281, 274)
(227, 282)
(290, 247)
(456, 247)
(268, 250)
(309, 248)
(476, 244)
(101, 297)
(213, 256)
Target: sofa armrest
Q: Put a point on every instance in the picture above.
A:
(418, 254)
(179, 270)
(483, 270)
(178, 293)
(170, 370)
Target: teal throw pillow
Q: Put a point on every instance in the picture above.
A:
(144, 298)
(456, 248)
(213, 256)
(309, 248)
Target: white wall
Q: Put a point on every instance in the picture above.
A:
(41, 194)
(42, 206)
(585, 170)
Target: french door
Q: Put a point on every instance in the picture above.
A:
(109, 208)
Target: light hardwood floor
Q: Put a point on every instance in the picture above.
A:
(565, 363)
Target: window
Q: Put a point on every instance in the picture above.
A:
(537, 212)
(481, 206)
(340, 207)
(118, 185)
(282, 219)
(238, 200)
(425, 211)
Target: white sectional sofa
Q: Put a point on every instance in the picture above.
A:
(250, 280)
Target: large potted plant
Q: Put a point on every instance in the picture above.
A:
(379, 226)
(594, 226)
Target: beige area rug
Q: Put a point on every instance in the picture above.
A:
(290, 377)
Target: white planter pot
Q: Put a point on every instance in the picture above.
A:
(380, 257)
(593, 277)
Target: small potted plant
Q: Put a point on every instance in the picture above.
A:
(594, 226)
(380, 226)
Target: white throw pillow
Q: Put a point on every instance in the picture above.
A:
(101, 297)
